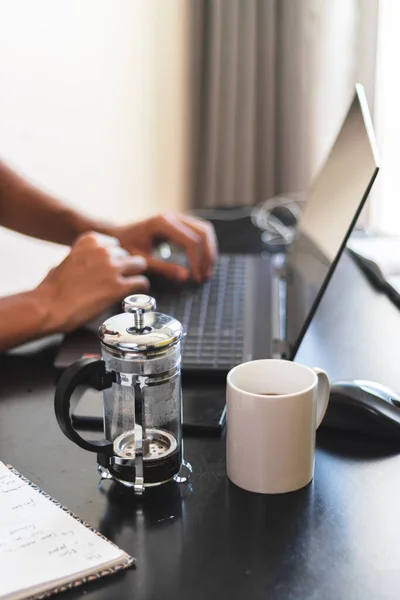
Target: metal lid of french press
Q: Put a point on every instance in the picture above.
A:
(139, 328)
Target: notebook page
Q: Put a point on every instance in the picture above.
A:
(40, 543)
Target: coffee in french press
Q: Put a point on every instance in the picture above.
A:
(139, 373)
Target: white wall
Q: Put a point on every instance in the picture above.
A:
(330, 46)
(92, 102)
(385, 213)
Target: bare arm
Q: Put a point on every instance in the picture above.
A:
(27, 209)
(24, 317)
(95, 274)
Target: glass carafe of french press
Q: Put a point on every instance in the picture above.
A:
(139, 373)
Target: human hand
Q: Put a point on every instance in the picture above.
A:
(195, 236)
(95, 274)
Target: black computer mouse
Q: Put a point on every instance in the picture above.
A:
(364, 407)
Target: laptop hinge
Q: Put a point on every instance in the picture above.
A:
(280, 349)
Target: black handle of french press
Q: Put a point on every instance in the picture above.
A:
(86, 371)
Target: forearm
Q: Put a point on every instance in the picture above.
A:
(24, 317)
(28, 210)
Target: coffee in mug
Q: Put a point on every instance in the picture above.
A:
(271, 435)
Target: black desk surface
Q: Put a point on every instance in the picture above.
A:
(337, 538)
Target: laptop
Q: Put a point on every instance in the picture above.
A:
(261, 306)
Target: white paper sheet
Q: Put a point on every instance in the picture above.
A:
(40, 543)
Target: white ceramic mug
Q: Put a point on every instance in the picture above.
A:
(273, 410)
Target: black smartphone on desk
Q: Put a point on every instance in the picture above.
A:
(204, 408)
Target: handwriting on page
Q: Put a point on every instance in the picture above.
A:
(41, 543)
(29, 522)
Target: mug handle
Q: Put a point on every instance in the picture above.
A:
(323, 391)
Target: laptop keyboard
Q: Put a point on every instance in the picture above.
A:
(212, 316)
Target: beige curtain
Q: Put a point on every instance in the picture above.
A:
(271, 81)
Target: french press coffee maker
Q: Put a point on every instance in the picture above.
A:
(139, 373)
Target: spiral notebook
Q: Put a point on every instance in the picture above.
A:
(44, 548)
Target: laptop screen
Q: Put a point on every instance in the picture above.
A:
(333, 205)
